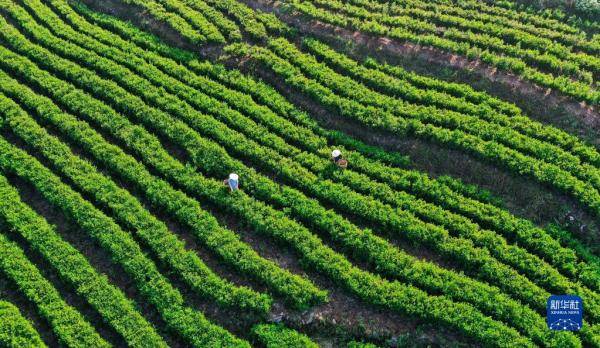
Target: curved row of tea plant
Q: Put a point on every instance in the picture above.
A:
(204, 152)
(237, 100)
(190, 180)
(517, 22)
(226, 26)
(210, 86)
(15, 330)
(256, 24)
(191, 324)
(128, 32)
(160, 13)
(195, 18)
(84, 175)
(544, 19)
(123, 34)
(401, 179)
(78, 170)
(274, 336)
(205, 67)
(383, 174)
(556, 59)
(552, 30)
(69, 326)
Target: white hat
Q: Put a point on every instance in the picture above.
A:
(336, 153)
(233, 176)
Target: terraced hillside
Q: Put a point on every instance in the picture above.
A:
(543, 50)
(116, 228)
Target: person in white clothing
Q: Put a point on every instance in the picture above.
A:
(336, 155)
(232, 181)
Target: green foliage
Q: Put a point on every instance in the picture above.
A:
(471, 191)
(195, 18)
(457, 90)
(160, 13)
(71, 328)
(451, 197)
(378, 118)
(471, 38)
(278, 336)
(199, 86)
(588, 7)
(226, 26)
(213, 122)
(361, 345)
(126, 209)
(15, 330)
(398, 88)
(118, 311)
(255, 23)
(430, 115)
(589, 273)
(171, 104)
(189, 323)
(579, 13)
(336, 194)
(267, 220)
(410, 181)
(298, 290)
(134, 34)
(430, 18)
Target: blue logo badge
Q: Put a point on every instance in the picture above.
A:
(564, 312)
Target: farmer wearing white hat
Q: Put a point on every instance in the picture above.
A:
(232, 181)
(336, 157)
